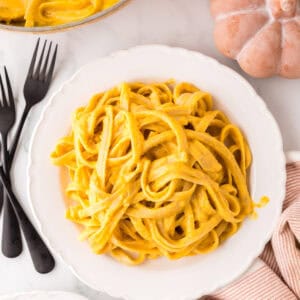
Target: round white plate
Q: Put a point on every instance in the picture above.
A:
(43, 296)
(190, 277)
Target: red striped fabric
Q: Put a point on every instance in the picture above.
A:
(278, 274)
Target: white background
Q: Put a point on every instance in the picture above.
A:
(183, 23)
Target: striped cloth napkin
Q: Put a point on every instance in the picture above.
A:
(276, 274)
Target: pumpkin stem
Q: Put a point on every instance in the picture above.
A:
(288, 5)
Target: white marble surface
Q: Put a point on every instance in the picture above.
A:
(173, 22)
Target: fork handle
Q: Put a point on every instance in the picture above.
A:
(11, 245)
(4, 152)
(42, 259)
(17, 136)
(11, 236)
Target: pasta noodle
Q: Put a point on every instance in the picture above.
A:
(50, 12)
(155, 171)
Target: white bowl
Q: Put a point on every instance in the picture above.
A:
(68, 26)
(43, 296)
(190, 277)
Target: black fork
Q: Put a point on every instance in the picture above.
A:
(35, 89)
(7, 114)
(11, 236)
(36, 85)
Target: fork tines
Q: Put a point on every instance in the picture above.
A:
(6, 98)
(42, 70)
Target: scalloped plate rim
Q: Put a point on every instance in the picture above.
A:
(193, 294)
(41, 293)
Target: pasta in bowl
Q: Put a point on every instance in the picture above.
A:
(155, 170)
(52, 15)
(189, 277)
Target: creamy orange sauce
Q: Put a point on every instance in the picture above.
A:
(50, 12)
(262, 203)
(64, 181)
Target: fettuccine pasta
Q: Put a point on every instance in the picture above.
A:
(50, 12)
(155, 171)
